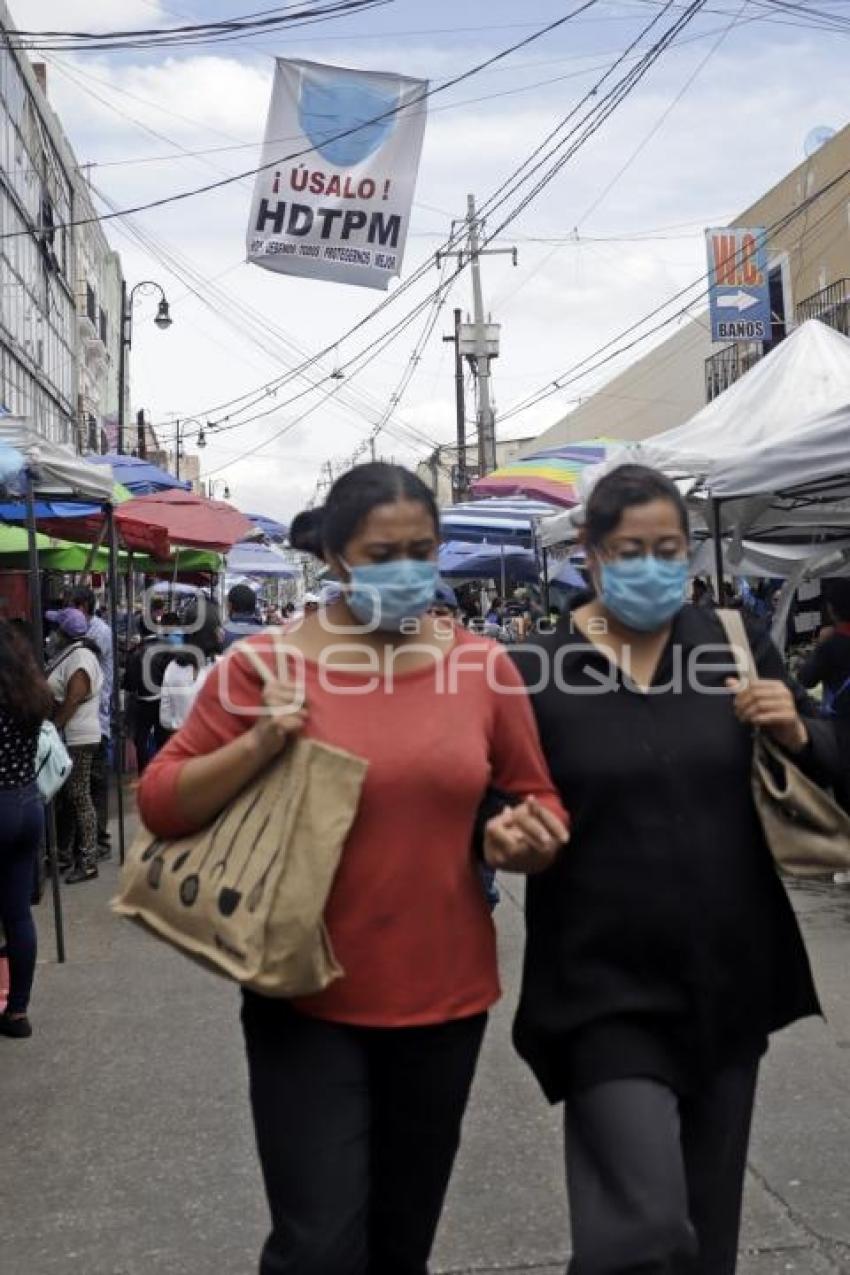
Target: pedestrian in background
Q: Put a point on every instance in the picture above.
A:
(358, 1093)
(243, 619)
(75, 679)
(25, 702)
(662, 947)
(828, 666)
(99, 632)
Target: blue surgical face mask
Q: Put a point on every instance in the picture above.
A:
(644, 593)
(383, 594)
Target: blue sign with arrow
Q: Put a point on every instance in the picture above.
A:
(739, 288)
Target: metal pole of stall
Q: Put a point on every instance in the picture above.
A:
(504, 580)
(38, 641)
(545, 555)
(718, 548)
(117, 715)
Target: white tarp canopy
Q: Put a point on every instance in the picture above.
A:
(802, 382)
(814, 460)
(59, 472)
(247, 559)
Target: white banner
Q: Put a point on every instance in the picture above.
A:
(341, 211)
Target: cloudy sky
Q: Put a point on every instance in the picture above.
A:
(720, 119)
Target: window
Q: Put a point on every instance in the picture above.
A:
(104, 328)
(91, 304)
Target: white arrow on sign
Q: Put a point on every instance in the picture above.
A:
(737, 301)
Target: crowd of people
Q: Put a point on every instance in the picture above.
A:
(662, 949)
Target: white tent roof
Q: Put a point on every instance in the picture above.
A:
(816, 457)
(801, 380)
(60, 472)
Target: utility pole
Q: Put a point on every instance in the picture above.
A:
(479, 341)
(460, 485)
(140, 434)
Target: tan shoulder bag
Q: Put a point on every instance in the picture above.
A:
(246, 895)
(807, 831)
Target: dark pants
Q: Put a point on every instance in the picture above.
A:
(655, 1181)
(357, 1130)
(100, 789)
(148, 734)
(21, 827)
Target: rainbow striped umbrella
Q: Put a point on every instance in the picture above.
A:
(552, 475)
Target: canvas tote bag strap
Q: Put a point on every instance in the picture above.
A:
(252, 655)
(742, 652)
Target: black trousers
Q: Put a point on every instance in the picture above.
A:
(655, 1181)
(357, 1130)
(100, 789)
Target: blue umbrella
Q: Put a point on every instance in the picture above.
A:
(248, 559)
(269, 527)
(462, 561)
(140, 476)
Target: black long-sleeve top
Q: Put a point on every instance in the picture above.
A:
(662, 942)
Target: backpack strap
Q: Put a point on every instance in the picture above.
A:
(739, 644)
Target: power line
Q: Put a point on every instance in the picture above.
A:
(225, 31)
(575, 372)
(426, 94)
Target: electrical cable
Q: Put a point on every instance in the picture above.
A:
(574, 372)
(426, 94)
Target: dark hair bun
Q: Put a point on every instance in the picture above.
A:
(305, 533)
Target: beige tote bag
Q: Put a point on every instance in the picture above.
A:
(246, 895)
(807, 831)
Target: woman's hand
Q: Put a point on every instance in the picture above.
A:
(283, 715)
(770, 706)
(523, 838)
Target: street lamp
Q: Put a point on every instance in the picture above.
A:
(178, 451)
(163, 320)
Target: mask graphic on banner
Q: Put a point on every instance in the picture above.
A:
(384, 594)
(327, 111)
(339, 210)
(644, 593)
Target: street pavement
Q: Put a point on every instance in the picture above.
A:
(126, 1145)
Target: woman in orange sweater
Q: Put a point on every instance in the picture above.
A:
(358, 1093)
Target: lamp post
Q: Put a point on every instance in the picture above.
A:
(178, 429)
(162, 320)
(212, 483)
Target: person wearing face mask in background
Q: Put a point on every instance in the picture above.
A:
(662, 948)
(358, 1093)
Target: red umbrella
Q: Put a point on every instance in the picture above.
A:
(154, 524)
(180, 518)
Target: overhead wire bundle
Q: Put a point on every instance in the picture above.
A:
(226, 30)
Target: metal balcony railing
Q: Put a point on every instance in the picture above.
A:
(831, 305)
(728, 365)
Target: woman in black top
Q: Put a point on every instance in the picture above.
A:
(662, 948)
(25, 702)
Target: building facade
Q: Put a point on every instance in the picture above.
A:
(98, 296)
(59, 288)
(809, 273)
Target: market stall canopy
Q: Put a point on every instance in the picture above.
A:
(57, 471)
(140, 477)
(269, 526)
(249, 559)
(802, 379)
(552, 475)
(814, 461)
(759, 559)
(465, 561)
(496, 521)
(53, 554)
(182, 518)
(156, 524)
